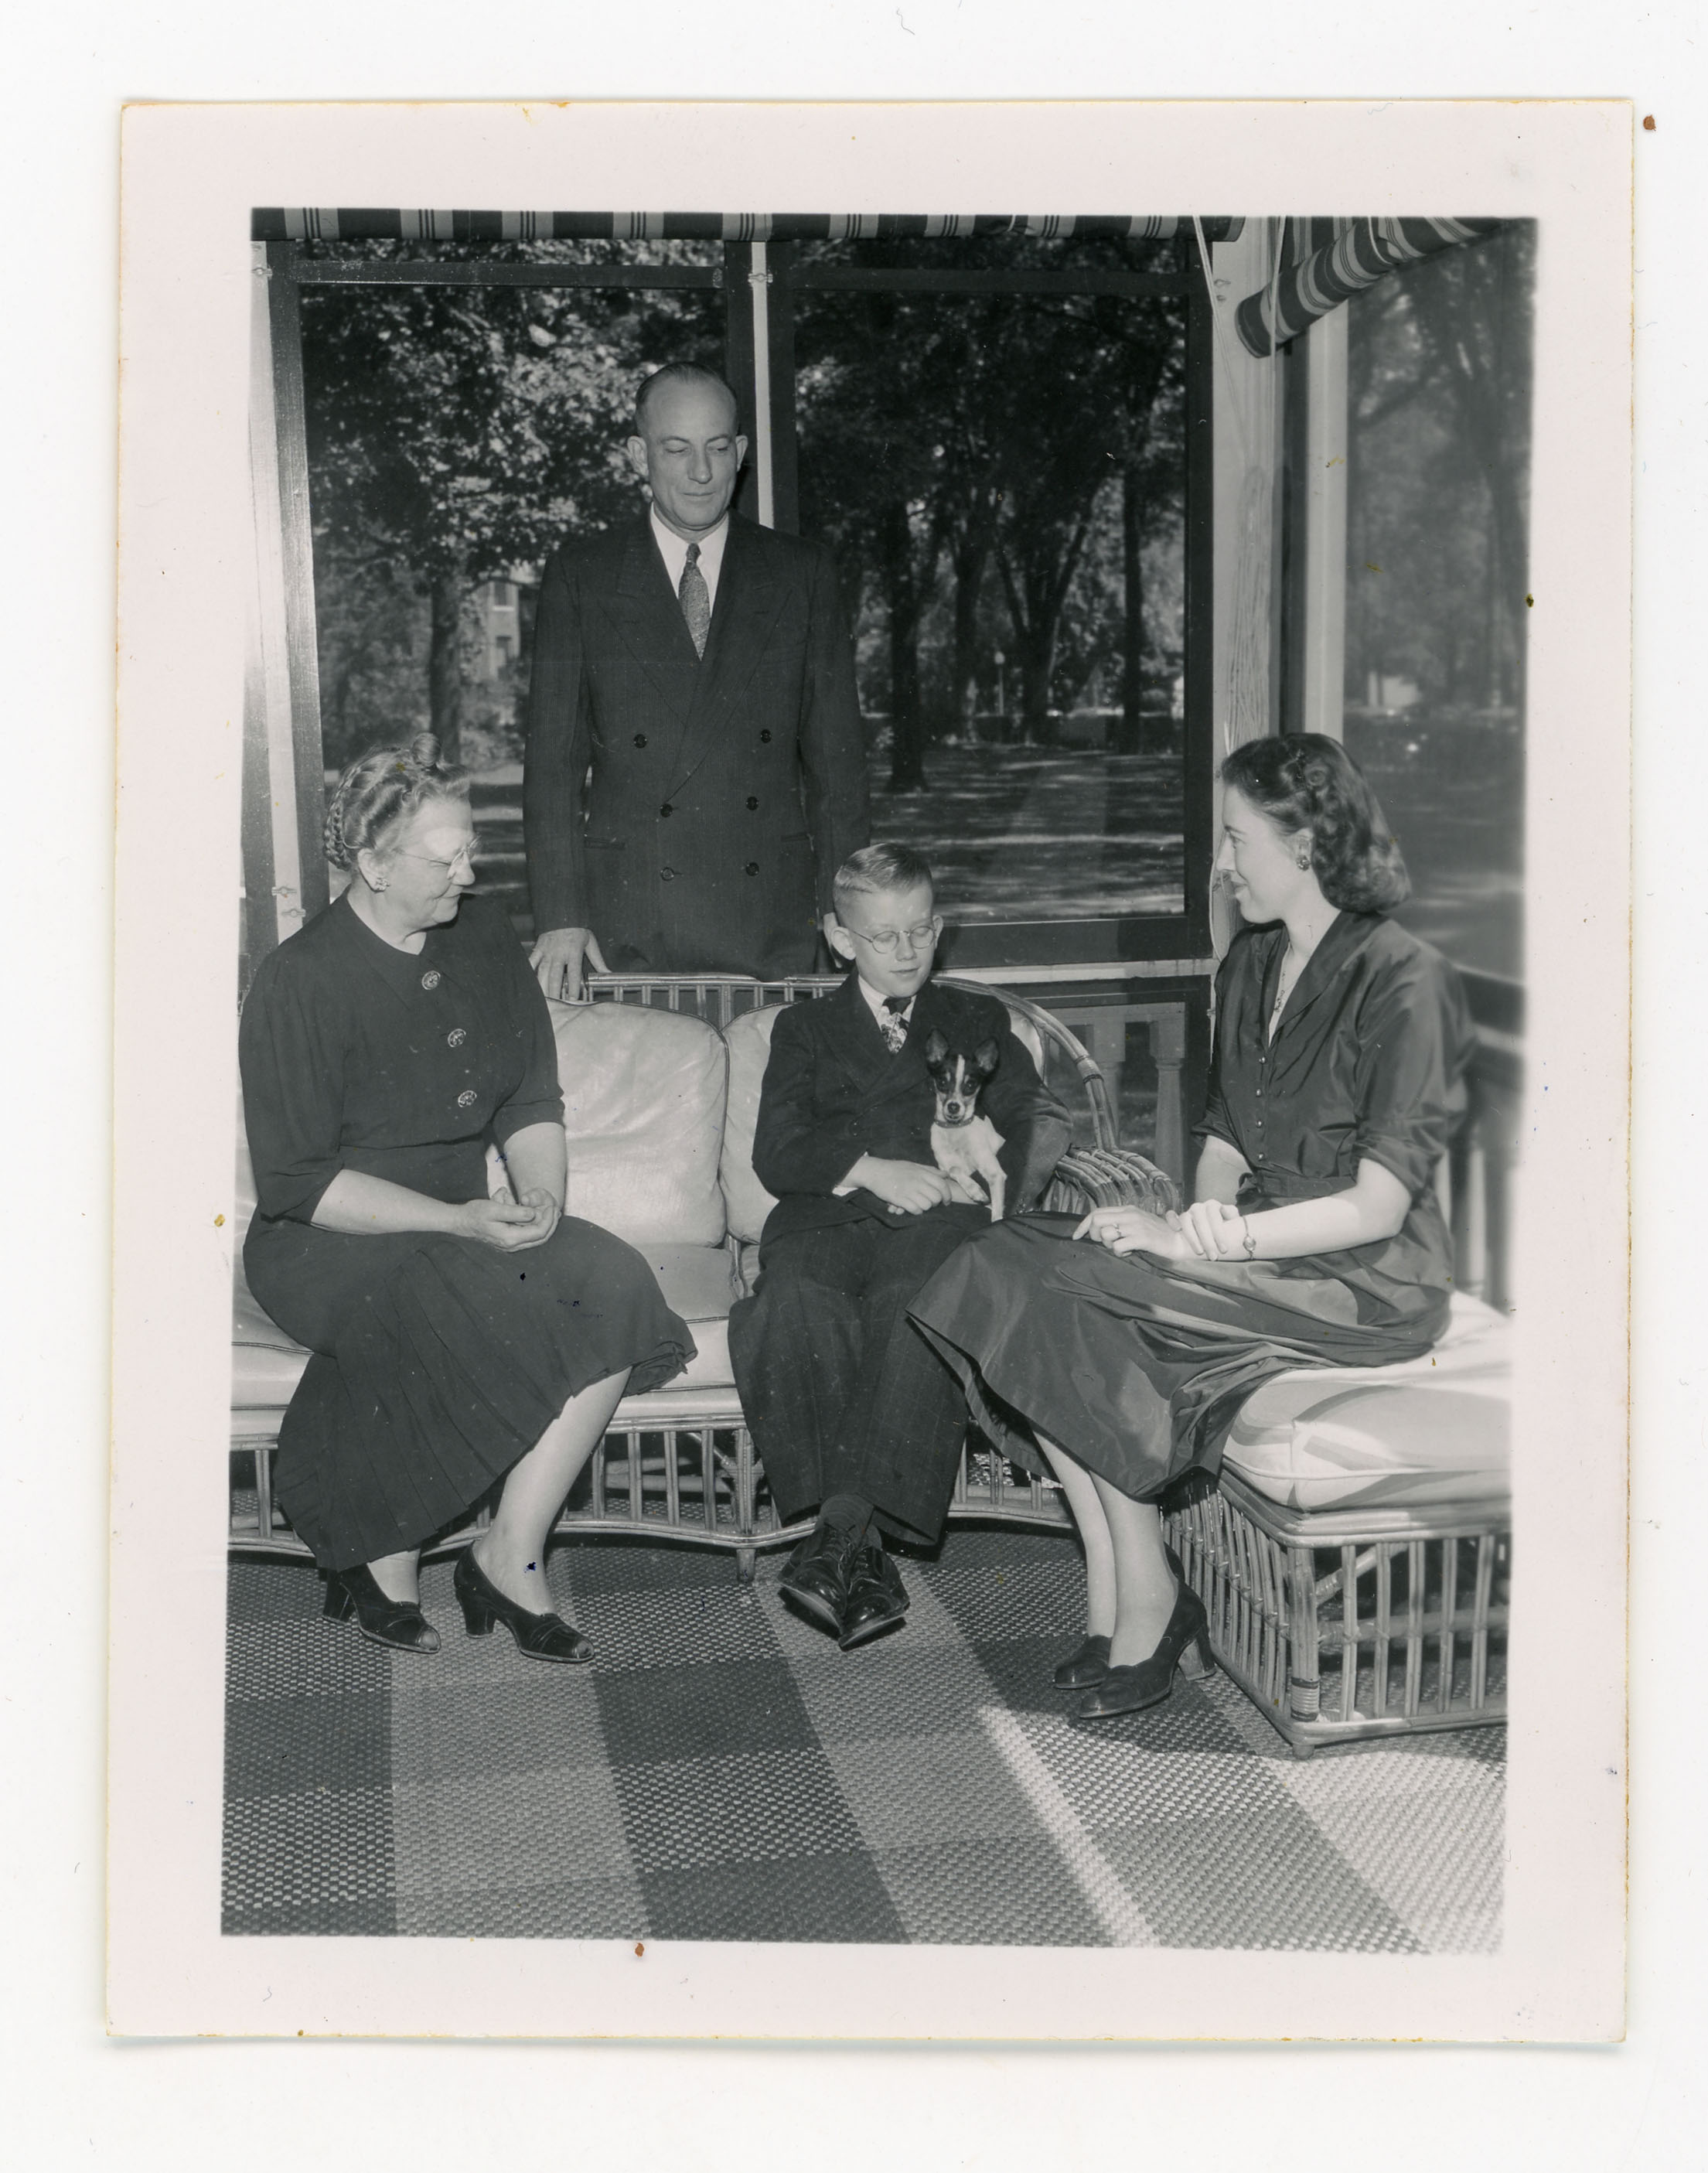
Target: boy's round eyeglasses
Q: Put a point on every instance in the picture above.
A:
(886, 939)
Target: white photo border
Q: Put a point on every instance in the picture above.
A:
(191, 176)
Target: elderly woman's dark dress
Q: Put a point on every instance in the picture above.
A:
(439, 1360)
(1137, 1366)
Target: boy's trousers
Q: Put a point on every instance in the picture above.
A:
(843, 1394)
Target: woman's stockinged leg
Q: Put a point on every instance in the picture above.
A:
(512, 1553)
(399, 1576)
(1086, 1504)
(1144, 1586)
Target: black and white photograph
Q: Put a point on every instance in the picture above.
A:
(882, 952)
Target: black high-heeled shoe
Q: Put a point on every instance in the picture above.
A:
(1185, 1644)
(1088, 1665)
(397, 1623)
(1091, 1662)
(538, 1636)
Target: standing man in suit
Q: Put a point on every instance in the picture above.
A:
(696, 766)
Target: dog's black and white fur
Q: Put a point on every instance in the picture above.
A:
(963, 1144)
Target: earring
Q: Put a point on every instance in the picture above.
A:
(378, 884)
(1304, 863)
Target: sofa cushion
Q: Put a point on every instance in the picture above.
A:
(698, 1282)
(644, 1098)
(746, 1201)
(1436, 1429)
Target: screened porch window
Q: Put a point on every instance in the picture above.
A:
(1439, 368)
(994, 432)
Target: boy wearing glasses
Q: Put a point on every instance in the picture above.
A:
(853, 1413)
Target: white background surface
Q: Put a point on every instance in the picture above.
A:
(77, 2100)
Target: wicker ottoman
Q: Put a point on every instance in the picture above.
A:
(1355, 1557)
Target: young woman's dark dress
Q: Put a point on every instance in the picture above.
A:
(1137, 1366)
(439, 1360)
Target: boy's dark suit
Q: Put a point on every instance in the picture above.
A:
(842, 1392)
(692, 811)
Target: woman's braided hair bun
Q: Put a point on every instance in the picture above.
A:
(1305, 781)
(383, 788)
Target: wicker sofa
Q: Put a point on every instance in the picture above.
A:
(1353, 1556)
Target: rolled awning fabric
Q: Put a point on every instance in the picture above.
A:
(1368, 251)
(301, 224)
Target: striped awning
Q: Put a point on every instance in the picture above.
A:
(1368, 251)
(360, 225)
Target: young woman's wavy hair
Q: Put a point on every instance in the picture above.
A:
(383, 788)
(1303, 781)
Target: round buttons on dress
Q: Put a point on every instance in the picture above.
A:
(764, 739)
(752, 804)
(640, 739)
(429, 980)
(467, 1097)
(456, 1036)
(666, 874)
(752, 867)
(667, 809)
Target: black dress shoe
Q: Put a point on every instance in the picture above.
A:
(538, 1636)
(1185, 1642)
(1089, 1665)
(877, 1598)
(397, 1623)
(818, 1577)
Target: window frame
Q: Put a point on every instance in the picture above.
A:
(759, 347)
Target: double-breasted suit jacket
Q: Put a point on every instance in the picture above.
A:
(833, 1091)
(692, 811)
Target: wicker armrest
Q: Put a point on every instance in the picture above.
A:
(1109, 1177)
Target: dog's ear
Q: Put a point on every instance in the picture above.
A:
(987, 1056)
(936, 1048)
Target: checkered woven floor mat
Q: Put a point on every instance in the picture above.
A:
(722, 1771)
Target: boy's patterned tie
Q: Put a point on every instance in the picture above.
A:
(695, 600)
(894, 1026)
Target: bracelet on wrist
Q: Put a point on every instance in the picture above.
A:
(1248, 1241)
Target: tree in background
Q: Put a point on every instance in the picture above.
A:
(1440, 368)
(455, 433)
(876, 374)
(948, 440)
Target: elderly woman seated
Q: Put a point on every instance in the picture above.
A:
(1123, 1346)
(463, 1343)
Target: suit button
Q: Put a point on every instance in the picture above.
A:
(467, 1098)
(429, 980)
(456, 1036)
(640, 739)
(764, 739)
(752, 867)
(752, 804)
(666, 874)
(667, 809)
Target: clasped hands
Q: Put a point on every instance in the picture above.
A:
(911, 1187)
(512, 1225)
(1209, 1230)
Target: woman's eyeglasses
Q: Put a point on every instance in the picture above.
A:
(469, 858)
(886, 939)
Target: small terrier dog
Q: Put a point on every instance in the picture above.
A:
(963, 1144)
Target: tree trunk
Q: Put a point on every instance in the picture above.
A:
(1130, 739)
(907, 715)
(1037, 652)
(444, 665)
(969, 562)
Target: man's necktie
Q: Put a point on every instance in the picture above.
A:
(894, 1026)
(695, 600)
